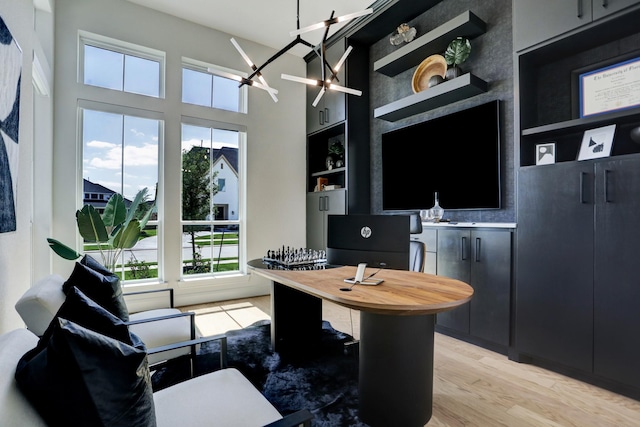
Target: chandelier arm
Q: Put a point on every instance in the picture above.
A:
(275, 56)
(320, 94)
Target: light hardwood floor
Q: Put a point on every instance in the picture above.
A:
(472, 386)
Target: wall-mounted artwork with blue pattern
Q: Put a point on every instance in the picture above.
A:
(10, 76)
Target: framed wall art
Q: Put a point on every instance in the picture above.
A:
(546, 153)
(597, 143)
(10, 76)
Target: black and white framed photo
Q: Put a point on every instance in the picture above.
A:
(597, 143)
(546, 153)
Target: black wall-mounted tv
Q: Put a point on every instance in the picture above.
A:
(457, 155)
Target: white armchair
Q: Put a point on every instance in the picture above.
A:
(224, 398)
(157, 328)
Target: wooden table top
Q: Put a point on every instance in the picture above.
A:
(401, 293)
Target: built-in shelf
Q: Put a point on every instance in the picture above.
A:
(435, 41)
(465, 86)
(584, 122)
(329, 172)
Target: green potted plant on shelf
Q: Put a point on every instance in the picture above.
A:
(336, 150)
(457, 52)
(117, 229)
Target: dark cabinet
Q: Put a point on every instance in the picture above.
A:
(575, 298)
(453, 261)
(577, 288)
(554, 283)
(602, 8)
(481, 258)
(617, 269)
(320, 204)
(535, 21)
(331, 108)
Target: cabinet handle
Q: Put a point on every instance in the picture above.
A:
(320, 204)
(582, 180)
(580, 9)
(606, 186)
(326, 204)
(326, 116)
(477, 249)
(463, 245)
(321, 117)
(605, 3)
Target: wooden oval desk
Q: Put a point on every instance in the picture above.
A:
(395, 386)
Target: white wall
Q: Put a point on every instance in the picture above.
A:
(21, 258)
(48, 165)
(275, 199)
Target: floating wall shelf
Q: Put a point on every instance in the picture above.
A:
(435, 41)
(465, 86)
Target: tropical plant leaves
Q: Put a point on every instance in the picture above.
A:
(90, 225)
(118, 228)
(458, 51)
(127, 236)
(63, 250)
(115, 211)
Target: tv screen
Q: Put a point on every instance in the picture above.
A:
(457, 155)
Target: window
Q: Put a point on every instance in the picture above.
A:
(123, 151)
(120, 152)
(201, 86)
(110, 65)
(209, 216)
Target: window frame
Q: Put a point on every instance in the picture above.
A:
(84, 104)
(206, 68)
(125, 48)
(240, 222)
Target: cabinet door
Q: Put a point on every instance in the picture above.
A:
(602, 8)
(535, 21)
(334, 101)
(319, 205)
(331, 109)
(453, 259)
(315, 220)
(315, 115)
(491, 280)
(335, 204)
(554, 285)
(617, 269)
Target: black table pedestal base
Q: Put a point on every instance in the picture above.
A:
(396, 369)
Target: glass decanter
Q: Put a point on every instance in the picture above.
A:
(436, 211)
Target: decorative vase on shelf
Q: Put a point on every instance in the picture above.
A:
(457, 52)
(436, 211)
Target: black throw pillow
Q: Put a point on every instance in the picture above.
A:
(99, 284)
(80, 309)
(86, 378)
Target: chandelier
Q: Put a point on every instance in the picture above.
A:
(328, 73)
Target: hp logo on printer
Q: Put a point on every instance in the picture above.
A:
(365, 232)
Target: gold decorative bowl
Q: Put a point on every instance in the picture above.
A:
(434, 65)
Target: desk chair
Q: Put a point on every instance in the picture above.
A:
(417, 248)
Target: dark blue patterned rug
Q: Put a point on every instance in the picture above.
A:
(325, 381)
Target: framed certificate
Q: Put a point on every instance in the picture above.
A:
(610, 88)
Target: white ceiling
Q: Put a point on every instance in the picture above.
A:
(267, 22)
